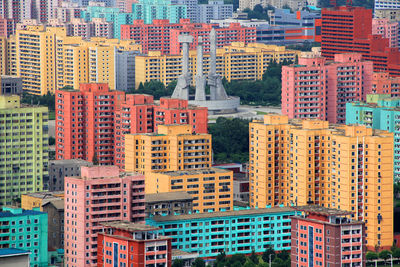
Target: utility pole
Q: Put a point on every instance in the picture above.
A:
(270, 260)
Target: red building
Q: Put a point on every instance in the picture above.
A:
(7, 27)
(85, 122)
(349, 29)
(139, 114)
(327, 237)
(127, 244)
(93, 120)
(317, 88)
(163, 36)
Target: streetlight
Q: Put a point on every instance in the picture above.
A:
(270, 260)
(391, 259)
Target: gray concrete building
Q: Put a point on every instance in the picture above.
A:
(168, 203)
(293, 4)
(125, 70)
(192, 8)
(215, 9)
(10, 85)
(58, 169)
(55, 215)
(13, 257)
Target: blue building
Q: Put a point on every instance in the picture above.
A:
(237, 231)
(149, 10)
(379, 112)
(25, 230)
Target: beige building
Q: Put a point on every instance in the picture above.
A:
(293, 4)
(234, 62)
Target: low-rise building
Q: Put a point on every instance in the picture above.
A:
(58, 169)
(232, 232)
(133, 245)
(327, 237)
(168, 203)
(39, 199)
(13, 257)
(11, 85)
(26, 230)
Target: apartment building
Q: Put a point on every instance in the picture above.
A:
(388, 29)
(85, 123)
(10, 85)
(169, 203)
(171, 148)
(317, 88)
(26, 230)
(149, 10)
(139, 114)
(134, 245)
(236, 61)
(292, 4)
(231, 232)
(327, 237)
(39, 199)
(380, 111)
(311, 162)
(58, 169)
(24, 145)
(211, 188)
(383, 83)
(100, 194)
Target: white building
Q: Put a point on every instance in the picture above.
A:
(387, 4)
(215, 9)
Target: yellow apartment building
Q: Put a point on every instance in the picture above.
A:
(311, 162)
(3, 56)
(210, 188)
(172, 148)
(48, 59)
(234, 62)
(37, 200)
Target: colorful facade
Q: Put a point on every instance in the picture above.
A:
(24, 145)
(38, 199)
(26, 230)
(171, 148)
(387, 29)
(316, 88)
(85, 122)
(312, 162)
(383, 83)
(327, 237)
(355, 24)
(379, 112)
(65, 61)
(139, 114)
(101, 194)
(127, 244)
(211, 188)
(232, 232)
(149, 10)
(236, 61)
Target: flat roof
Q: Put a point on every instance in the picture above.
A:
(57, 203)
(129, 226)
(70, 161)
(4, 214)
(4, 252)
(47, 195)
(314, 209)
(222, 214)
(168, 196)
(199, 171)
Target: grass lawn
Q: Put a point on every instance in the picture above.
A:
(261, 113)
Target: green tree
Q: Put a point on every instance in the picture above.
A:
(384, 255)
(254, 257)
(199, 263)
(396, 253)
(371, 256)
(240, 258)
(178, 263)
(267, 252)
(52, 141)
(249, 264)
(284, 255)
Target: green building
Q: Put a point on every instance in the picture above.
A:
(148, 10)
(232, 232)
(379, 112)
(24, 145)
(111, 14)
(26, 230)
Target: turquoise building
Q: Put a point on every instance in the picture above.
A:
(26, 230)
(379, 112)
(238, 231)
(148, 10)
(111, 14)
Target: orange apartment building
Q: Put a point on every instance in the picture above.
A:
(382, 83)
(335, 166)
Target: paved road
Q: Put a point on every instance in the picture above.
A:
(248, 112)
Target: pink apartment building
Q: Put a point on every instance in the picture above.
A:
(318, 88)
(101, 194)
(387, 29)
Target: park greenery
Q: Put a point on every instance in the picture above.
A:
(230, 140)
(259, 12)
(281, 259)
(47, 100)
(372, 256)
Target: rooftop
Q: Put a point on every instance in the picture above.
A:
(47, 195)
(314, 209)
(18, 212)
(70, 161)
(168, 196)
(58, 204)
(222, 214)
(129, 226)
(5, 252)
(195, 172)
